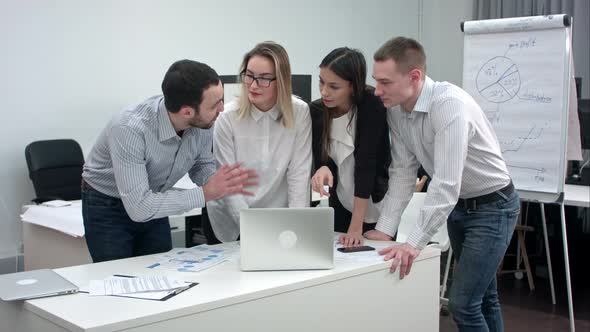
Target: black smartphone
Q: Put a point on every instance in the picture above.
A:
(356, 249)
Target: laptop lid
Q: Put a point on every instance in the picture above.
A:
(33, 284)
(287, 239)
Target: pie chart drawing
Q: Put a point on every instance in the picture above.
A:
(498, 80)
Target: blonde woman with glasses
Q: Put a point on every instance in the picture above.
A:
(269, 130)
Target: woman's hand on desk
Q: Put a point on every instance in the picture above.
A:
(353, 238)
(323, 176)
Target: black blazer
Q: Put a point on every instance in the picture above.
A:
(372, 155)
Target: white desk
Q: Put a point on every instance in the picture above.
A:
(577, 195)
(46, 248)
(354, 296)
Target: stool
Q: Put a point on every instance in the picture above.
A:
(520, 232)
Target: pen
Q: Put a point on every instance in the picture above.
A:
(123, 276)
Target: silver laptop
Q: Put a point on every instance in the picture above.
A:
(33, 284)
(287, 239)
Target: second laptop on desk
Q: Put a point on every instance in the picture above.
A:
(286, 239)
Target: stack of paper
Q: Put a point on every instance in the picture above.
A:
(136, 286)
(64, 218)
(117, 286)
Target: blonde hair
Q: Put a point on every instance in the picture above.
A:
(277, 55)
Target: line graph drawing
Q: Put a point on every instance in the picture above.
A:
(539, 172)
(516, 143)
(498, 80)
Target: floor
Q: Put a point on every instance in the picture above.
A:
(524, 310)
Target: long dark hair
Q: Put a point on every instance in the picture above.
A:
(349, 64)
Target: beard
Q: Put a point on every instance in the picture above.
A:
(198, 122)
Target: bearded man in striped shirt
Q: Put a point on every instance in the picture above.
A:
(128, 178)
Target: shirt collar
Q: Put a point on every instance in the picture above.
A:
(165, 129)
(257, 114)
(423, 102)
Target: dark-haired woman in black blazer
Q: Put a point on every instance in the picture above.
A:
(350, 145)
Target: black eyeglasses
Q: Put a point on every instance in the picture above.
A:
(262, 82)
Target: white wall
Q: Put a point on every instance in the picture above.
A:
(442, 38)
(8, 241)
(68, 65)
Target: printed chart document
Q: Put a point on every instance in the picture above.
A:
(193, 259)
(151, 295)
(118, 286)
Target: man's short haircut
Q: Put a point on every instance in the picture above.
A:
(184, 83)
(407, 53)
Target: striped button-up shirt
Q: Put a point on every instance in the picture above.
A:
(449, 134)
(139, 157)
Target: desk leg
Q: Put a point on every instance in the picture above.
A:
(549, 266)
(567, 270)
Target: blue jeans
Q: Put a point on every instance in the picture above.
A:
(111, 234)
(479, 238)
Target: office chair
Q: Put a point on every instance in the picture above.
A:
(440, 240)
(55, 168)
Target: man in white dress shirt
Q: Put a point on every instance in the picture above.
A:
(440, 126)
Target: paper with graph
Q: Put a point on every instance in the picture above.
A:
(518, 72)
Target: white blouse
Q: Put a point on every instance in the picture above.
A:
(342, 153)
(281, 157)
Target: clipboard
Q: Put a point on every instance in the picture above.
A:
(152, 296)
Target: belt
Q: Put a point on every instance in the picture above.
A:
(472, 203)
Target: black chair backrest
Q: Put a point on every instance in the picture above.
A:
(55, 167)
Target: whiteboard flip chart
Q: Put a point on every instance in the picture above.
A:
(518, 70)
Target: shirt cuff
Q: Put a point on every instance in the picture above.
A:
(386, 225)
(196, 198)
(418, 239)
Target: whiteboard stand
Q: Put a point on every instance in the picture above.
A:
(542, 199)
(570, 302)
(547, 252)
(527, 107)
(558, 201)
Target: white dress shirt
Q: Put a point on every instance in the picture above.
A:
(449, 134)
(281, 157)
(342, 153)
